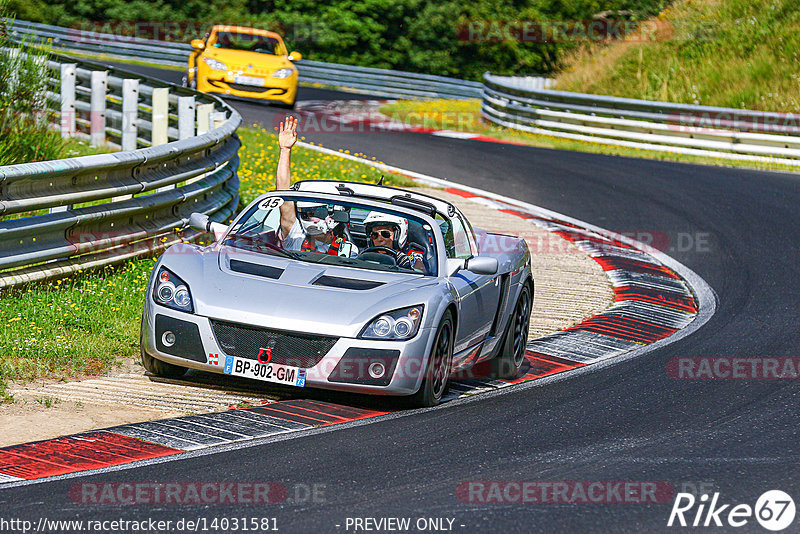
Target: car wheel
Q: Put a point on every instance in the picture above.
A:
(162, 369)
(508, 362)
(437, 371)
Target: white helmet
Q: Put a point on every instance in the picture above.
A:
(315, 218)
(400, 225)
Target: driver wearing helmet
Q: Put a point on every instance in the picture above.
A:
(310, 226)
(390, 232)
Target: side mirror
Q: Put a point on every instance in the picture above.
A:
(197, 44)
(295, 56)
(201, 223)
(482, 265)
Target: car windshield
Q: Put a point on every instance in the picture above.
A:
(338, 233)
(247, 41)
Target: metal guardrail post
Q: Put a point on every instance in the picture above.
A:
(217, 119)
(160, 119)
(204, 125)
(130, 113)
(13, 55)
(204, 112)
(160, 123)
(97, 113)
(186, 116)
(68, 99)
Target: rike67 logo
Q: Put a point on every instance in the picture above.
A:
(774, 510)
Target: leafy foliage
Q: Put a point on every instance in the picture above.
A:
(24, 121)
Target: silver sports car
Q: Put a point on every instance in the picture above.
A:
(345, 286)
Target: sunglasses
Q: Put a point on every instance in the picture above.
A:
(386, 234)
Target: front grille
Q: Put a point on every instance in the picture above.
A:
(276, 91)
(288, 348)
(248, 88)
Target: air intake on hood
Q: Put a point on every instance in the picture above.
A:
(345, 283)
(253, 268)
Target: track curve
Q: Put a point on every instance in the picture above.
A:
(628, 422)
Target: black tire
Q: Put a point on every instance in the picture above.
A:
(509, 360)
(162, 369)
(437, 370)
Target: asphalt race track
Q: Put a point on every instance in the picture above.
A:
(629, 422)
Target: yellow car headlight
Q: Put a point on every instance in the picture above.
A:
(215, 64)
(282, 73)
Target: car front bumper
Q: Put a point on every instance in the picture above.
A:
(276, 89)
(344, 367)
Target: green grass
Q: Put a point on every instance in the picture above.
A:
(257, 167)
(71, 327)
(75, 147)
(84, 325)
(733, 53)
(464, 115)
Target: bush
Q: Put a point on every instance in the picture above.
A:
(24, 117)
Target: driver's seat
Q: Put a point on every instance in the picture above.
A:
(418, 238)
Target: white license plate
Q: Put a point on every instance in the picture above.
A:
(266, 372)
(249, 80)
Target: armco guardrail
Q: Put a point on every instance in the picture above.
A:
(77, 40)
(58, 217)
(661, 126)
(393, 83)
(382, 82)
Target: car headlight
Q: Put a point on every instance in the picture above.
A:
(172, 292)
(282, 73)
(396, 325)
(215, 64)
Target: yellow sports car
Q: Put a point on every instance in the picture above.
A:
(247, 62)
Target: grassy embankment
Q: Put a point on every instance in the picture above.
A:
(739, 53)
(84, 325)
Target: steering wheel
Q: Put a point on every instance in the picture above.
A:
(378, 254)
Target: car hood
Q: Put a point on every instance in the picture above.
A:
(244, 287)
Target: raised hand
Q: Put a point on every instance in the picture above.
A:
(287, 134)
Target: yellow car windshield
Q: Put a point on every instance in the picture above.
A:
(247, 41)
